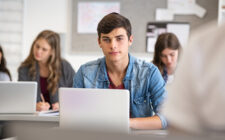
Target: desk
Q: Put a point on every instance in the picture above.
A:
(28, 117)
(150, 132)
(29, 120)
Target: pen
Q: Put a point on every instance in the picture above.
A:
(42, 98)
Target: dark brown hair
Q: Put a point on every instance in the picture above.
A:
(165, 40)
(112, 21)
(54, 61)
(3, 67)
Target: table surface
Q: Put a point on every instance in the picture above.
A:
(28, 117)
(55, 119)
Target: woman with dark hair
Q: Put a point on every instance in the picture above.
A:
(45, 65)
(4, 72)
(167, 50)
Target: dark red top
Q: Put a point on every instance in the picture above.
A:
(112, 86)
(44, 91)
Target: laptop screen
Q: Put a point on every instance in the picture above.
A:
(94, 109)
(18, 97)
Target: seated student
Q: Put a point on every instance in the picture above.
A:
(4, 72)
(120, 70)
(196, 98)
(45, 65)
(167, 51)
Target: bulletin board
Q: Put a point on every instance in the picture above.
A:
(154, 29)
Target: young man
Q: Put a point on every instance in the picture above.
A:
(119, 70)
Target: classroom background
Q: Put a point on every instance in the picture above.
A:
(22, 20)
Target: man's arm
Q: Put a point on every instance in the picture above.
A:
(158, 94)
(153, 122)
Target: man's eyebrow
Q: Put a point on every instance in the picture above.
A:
(120, 36)
(105, 37)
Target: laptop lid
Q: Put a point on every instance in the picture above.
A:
(94, 109)
(18, 97)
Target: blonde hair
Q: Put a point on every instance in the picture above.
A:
(54, 61)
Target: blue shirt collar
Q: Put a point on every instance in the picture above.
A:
(104, 76)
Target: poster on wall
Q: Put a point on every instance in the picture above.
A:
(90, 13)
(154, 29)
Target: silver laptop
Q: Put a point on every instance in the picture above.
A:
(94, 109)
(18, 97)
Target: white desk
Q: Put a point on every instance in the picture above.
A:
(28, 117)
(53, 122)
(29, 120)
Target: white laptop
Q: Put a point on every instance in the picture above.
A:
(18, 97)
(94, 109)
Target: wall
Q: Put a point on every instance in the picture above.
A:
(11, 21)
(43, 14)
(139, 12)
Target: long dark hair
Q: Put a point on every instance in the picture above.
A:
(54, 62)
(3, 67)
(165, 40)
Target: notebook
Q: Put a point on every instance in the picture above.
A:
(94, 109)
(18, 97)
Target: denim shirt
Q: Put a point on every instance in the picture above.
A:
(142, 79)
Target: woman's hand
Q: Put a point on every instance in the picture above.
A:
(42, 106)
(55, 106)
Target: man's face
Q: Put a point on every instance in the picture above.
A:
(115, 44)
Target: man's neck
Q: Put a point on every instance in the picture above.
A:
(117, 67)
(117, 71)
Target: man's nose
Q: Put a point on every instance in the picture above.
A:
(113, 44)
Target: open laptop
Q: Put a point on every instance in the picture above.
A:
(18, 97)
(94, 109)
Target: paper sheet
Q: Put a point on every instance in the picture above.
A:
(164, 14)
(90, 13)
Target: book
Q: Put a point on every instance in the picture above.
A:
(48, 113)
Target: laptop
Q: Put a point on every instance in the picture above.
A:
(94, 109)
(18, 97)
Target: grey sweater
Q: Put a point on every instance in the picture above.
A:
(66, 79)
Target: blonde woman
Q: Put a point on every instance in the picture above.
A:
(45, 65)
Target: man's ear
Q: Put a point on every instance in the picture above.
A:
(130, 40)
(99, 42)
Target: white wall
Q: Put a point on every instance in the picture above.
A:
(43, 14)
(11, 20)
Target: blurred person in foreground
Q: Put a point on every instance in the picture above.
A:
(196, 99)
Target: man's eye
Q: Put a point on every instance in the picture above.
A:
(106, 40)
(119, 39)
